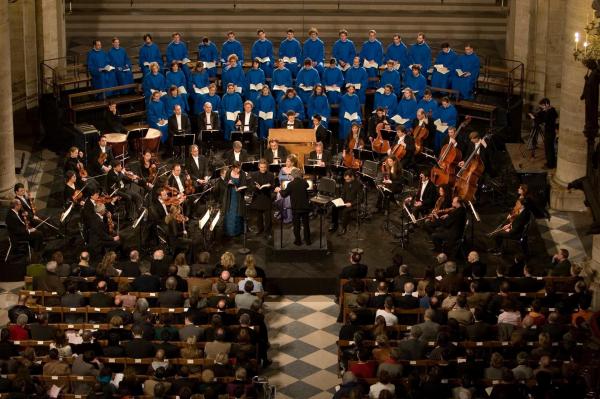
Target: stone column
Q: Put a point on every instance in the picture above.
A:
(51, 37)
(572, 147)
(30, 50)
(7, 149)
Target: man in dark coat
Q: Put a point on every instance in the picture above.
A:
(297, 189)
(264, 184)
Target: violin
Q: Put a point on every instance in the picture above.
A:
(25, 217)
(77, 195)
(420, 133)
(107, 199)
(102, 158)
(380, 145)
(130, 175)
(81, 170)
(188, 185)
(174, 200)
(444, 173)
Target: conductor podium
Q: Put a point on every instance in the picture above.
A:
(295, 141)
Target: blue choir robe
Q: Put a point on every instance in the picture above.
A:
(448, 115)
(387, 101)
(209, 53)
(372, 51)
(178, 51)
(156, 111)
(391, 78)
(349, 104)
(416, 83)
(153, 82)
(233, 75)
(215, 100)
(171, 101)
(148, 54)
(333, 76)
(97, 59)
(177, 79)
(291, 104)
(230, 103)
(420, 54)
(466, 63)
(306, 80)
(344, 51)
(232, 47)
(290, 49)
(319, 105)
(315, 50)
(264, 49)
(199, 80)
(430, 107)
(357, 76)
(265, 104)
(281, 77)
(397, 53)
(120, 60)
(256, 78)
(448, 60)
(407, 109)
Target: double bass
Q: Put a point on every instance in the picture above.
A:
(468, 176)
(444, 173)
(379, 145)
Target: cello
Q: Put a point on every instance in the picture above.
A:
(420, 133)
(468, 176)
(349, 161)
(379, 145)
(444, 172)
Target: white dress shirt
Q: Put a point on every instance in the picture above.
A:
(179, 183)
(247, 121)
(178, 118)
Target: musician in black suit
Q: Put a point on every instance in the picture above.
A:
(247, 121)
(88, 210)
(262, 200)
(116, 180)
(159, 209)
(196, 166)
(297, 189)
(292, 122)
(275, 153)
(321, 132)
(17, 229)
(21, 195)
(236, 154)
(423, 120)
(350, 195)
(374, 120)
(101, 148)
(99, 238)
(426, 195)
(451, 227)
(458, 141)
(319, 156)
(112, 119)
(209, 119)
(515, 228)
(480, 147)
(179, 123)
(406, 141)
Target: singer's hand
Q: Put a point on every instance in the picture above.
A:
(116, 238)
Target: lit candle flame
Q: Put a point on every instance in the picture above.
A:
(576, 37)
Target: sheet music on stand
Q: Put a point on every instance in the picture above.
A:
(410, 215)
(202, 222)
(215, 221)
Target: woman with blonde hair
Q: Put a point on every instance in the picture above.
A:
(183, 269)
(106, 266)
(226, 262)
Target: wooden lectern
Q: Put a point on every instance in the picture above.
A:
(297, 141)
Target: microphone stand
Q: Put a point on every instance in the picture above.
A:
(357, 249)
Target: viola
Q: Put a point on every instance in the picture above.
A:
(380, 145)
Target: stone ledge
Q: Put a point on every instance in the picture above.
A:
(562, 199)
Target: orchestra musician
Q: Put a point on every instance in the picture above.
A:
(291, 122)
(22, 195)
(176, 230)
(297, 191)
(208, 119)
(71, 192)
(148, 169)
(351, 191)
(179, 123)
(159, 208)
(88, 209)
(196, 166)
(234, 203)
(443, 204)
(457, 140)
(451, 227)
(101, 238)
(112, 119)
(321, 132)
(275, 153)
(177, 179)
(99, 150)
(424, 121)
(376, 119)
(19, 228)
(125, 188)
(263, 185)
(320, 156)
(406, 141)
(236, 154)
(480, 146)
(247, 121)
(426, 196)
(391, 183)
(516, 222)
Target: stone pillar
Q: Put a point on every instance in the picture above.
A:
(7, 149)
(572, 147)
(51, 37)
(595, 266)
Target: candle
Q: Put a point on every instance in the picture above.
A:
(585, 46)
(576, 40)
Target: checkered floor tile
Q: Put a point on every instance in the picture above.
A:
(561, 232)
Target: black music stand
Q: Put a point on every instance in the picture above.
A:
(243, 137)
(250, 166)
(326, 189)
(135, 135)
(183, 140)
(275, 168)
(317, 171)
(209, 136)
(363, 155)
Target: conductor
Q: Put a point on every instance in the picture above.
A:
(297, 189)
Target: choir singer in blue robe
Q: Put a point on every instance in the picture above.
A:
(349, 112)
(154, 81)
(255, 80)
(428, 103)
(290, 102)
(307, 79)
(231, 106)
(386, 99)
(98, 64)
(416, 81)
(174, 98)
(281, 80)
(446, 113)
(157, 116)
(391, 76)
(263, 50)
(212, 97)
(343, 50)
(447, 59)
(177, 51)
(357, 77)
(233, 73)
(149, 53)
(290, 51)
(420, 54)
(175, 77)
(314, 48)
(397, 52)
(318, 104)
(232, 46)
(198, 87)
(117, 56)
(209, 55)
(406, 109)
(371, 55)
(265, 108)
(333, 81)
(465, 82)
